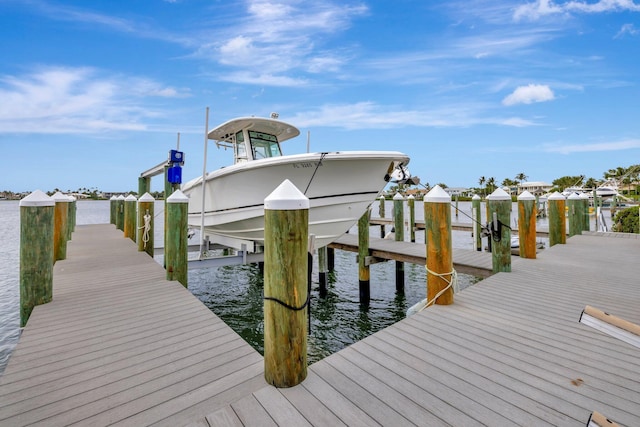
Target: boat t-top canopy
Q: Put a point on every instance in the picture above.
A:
(224, 134)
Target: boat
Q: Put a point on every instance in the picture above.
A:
(607, 189)
(340, 185)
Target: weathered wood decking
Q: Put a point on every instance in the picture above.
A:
(465, 261)
(509, 351)
(120, 344)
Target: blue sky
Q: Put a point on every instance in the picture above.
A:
(93, 93)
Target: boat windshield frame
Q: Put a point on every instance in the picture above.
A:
(263, 145)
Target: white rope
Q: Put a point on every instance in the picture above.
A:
(453, 283)
(146, 227)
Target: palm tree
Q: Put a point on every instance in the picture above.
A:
(521, 177)
(481, 181)
(491, 185)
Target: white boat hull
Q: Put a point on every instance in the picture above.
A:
(340, 187)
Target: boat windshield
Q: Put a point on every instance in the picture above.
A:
(240, 148)
(264, 145)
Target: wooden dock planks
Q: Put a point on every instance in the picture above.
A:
(120, 344)
(509, 351)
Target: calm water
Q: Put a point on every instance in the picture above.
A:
(235, 293)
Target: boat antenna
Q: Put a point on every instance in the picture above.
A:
(204, 176)
(178, 143)
(308, 139)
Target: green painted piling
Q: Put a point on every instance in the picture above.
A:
(113, 208)
(37, 223)
(457, 210)
(286, 216)
(614, 206)
(71, 217)
(477, 225)
(398, 216)
(411, 203)
(364, 275)
(144, 185)
(574, 209)
(500, 209)
(145, 229)
(439, 246)
(381, 214)
(120, 212)
(130, 217)
(557, 219)
(586, 226)
(61, 229)
(175, 254)
(527, 214)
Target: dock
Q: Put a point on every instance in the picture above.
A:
(121, 345)
(475, 263)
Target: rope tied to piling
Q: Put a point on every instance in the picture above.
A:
(290, 307)
(146, 227)
(452, 283)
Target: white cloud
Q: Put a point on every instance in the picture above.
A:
(287, 39)
(627, 144)
(542, 8)
(627, 29)
(529, 94)
(369, 115)
(76, 100)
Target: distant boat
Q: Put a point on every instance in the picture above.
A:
(340, 185)
(608, 189)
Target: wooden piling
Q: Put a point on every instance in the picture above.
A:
(477, 217)
(144, 185)
(61, 231)
(557, 219)
(411, 203)
(323, 278)
(113, 208)
(364, 275)
(527, 214)
(381, 213)
(500, 208)
(439, 246)
(286, 213)
(175, 254)
(37, 223)
(120, 212)
(574, 205)
(398, 216)
(586, 226)
(130, 217)
(71, 218)
(331, 259)
(145, 230)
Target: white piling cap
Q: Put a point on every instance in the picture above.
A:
(584, 196)
(411, 197)
(37, 198)
(437, 195)
(476, 197)
(574, 196)
(525, 195)
(120, 197)
(113, 197)
(556, 196)
(178, 197)
(398, 196)
(59, 197)
(286, 197)
(146, 197)
(130, 198)
(71, 198)
(499, 194)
